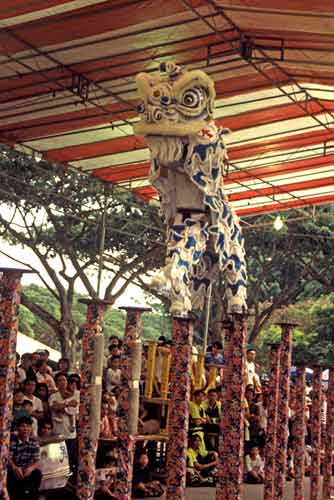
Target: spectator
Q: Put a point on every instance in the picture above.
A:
(215, 356)
(106, 429)
(142, 485)
(64, 409)
(105, 478)
(45, 429)
(43, 376)
(24, 476)
(27, 407)
(42, 392)
(20, 373)
(29, 387)
(26, 366)
(113, 375)
(254, 467)
(251, 376)
(201, 465)
(44, 355)
(74, 382)
(34, 360)
(64, 365)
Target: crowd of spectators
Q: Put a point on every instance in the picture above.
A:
(46, 404)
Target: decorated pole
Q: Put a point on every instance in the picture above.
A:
(231, 439)
(271, 438)
(316, 432)
(10, 295)
(299, 432)
(90, 396)
(283, 408)
(128, 403)
(329, 439)
(182, 335)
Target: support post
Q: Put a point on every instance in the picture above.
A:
(10, 295)
(329, 439)
(178, 424)
(199, 371)
(283, 408)
(128, 403)
(299, 432)
(90, 396)
(150, 367)
(231, 439)
(316, 432)
(165, 371)
(271, 438)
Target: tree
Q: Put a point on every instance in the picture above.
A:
(155, 323)
(286, 266)
(73, 222)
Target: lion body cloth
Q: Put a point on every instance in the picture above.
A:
(188, 162)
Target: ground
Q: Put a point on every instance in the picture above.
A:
(251, 492)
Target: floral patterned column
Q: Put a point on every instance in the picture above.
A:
(231, 439)
(299, 432)
(270, 449)
(10, 293)
(182, 336)
(329, 439)
(129, 388)
(90, 396)
(316, 432)
(283, 408)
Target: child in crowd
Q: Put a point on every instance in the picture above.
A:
(254, 466)
(201, 465)
(143, 485)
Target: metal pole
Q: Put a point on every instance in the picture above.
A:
(207, 318)
(102, 242)
(316, 432)
(231, 439)
(182, 336)
(329, 440)
(90, 396)
(10, 295)
(283, 408)
(272, 416)
(128, 403)
(299, 433)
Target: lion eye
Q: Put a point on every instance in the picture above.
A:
(192, 98)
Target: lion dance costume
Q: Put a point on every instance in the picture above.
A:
(188, 162)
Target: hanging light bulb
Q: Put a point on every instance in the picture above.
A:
(278, 223)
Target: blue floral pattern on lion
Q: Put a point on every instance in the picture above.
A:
(188, 162)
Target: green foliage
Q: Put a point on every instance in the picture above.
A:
(154, 324)
(312, 338)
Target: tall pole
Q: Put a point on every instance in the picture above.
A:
(182, 335)
(272, 414)
(316, 432)
(90, 396)
(231, 438)
(10, 295)
(128, 403)
(329, 440)
(283, 408)
(299, 432)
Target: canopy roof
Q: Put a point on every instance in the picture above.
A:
(67, 87)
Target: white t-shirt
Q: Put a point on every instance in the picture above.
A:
(37, 404)
(250, 372)
(254, 464)
(113, 378)
(64, 422)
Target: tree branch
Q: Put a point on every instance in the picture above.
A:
(39, 311)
